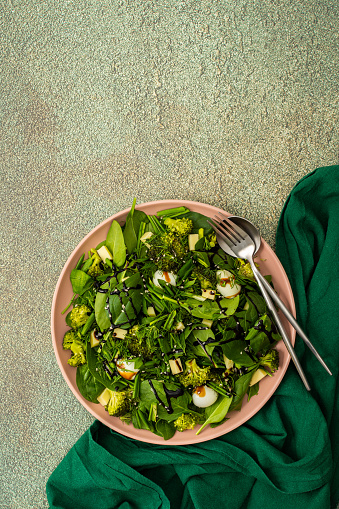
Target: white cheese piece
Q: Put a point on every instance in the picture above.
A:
(104, 253)
(258, 375)
(176, 366)
(192, 240)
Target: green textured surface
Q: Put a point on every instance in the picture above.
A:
(229, 103)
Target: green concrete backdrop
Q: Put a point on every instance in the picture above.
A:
(226, 102)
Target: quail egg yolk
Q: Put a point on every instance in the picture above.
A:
(204, 396)
(168, 277)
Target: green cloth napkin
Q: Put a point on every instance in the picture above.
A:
(283, 457)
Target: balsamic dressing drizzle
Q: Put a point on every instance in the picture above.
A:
(261, 327)
(169, 394)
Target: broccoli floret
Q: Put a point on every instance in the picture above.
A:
(205, 276)
(95, 269)
(270, 360)
(182, 226)
(120, 403)
(140, 341)
(245, 269)
(194, 375)
(78, 316)
(187, 421)
(70, 336)
(179, 248)
(78, 354)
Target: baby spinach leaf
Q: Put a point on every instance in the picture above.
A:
(89, 387)
(230, 305)
(196, 341)
(115, 243)
(126, 305)
(131, 230)
(101, 313)
(164, 429)
(179, 405)
(253, 391)
(240, 388)
(80, 281)
(262, 336)
(199, 221)
(207, 309)
(95, 367)
(235, 350)
(217, 411)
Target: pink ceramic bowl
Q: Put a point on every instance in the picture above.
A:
(269, 264)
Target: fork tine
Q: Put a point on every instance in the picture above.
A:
(234, 226)
(223, 235)
(228, 228)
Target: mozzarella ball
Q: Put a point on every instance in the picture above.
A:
(204, 396)
(126, 369)
(168, 277)
(226, 284)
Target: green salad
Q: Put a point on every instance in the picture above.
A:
(167, 331)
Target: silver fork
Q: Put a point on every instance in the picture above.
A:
(243, 247)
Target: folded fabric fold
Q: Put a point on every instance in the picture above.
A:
(285, 456)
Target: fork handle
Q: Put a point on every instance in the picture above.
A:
(291, 319)
(282, 331)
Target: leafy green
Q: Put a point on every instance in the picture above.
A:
(80, 281)
(115, 243)
(217, 411)
(90, 388)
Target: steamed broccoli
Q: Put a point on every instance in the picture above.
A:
(78, 316)
(78, 354)
(141, 341)
(166, 250)
(182, 226)
(119, 403)
(187, 421)
(270, 360)
(194, 375)
(95, 269)
(179, 248)
(70, 336)
(245, 270)
(205, 276)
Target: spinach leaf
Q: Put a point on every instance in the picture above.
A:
(80, 281)
(210, 310)
(230, 305)
(217, 411)
(262, 336)
(253, 391)
(89, 387)
(126, 305)
(201, 335)
(116, 244)
(95, 367)
(240, 388)
(199, 221)
(235, 350)
(131, 230)
(101, 313)
(147, 398)
(164, 429)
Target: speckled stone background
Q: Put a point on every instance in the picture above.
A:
(225, 102)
